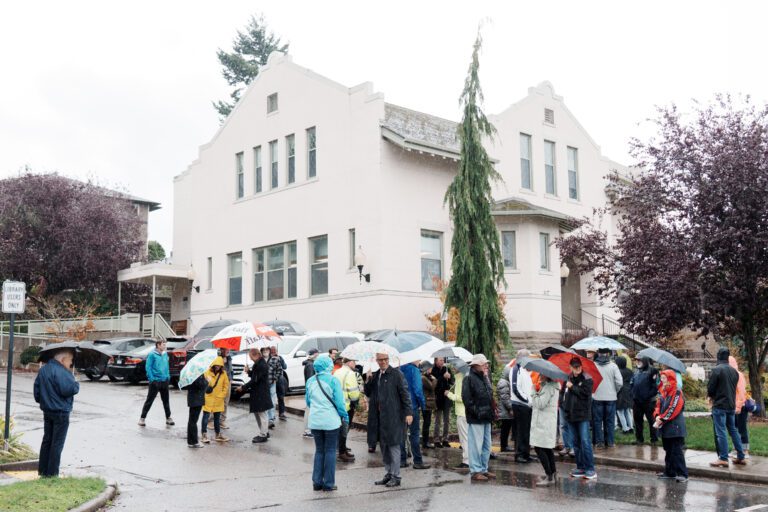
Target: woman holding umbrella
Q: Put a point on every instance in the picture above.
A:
(544, 426)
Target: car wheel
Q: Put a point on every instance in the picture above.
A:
(94, 375)
(112, 378)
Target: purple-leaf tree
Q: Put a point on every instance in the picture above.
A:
(59, 234)
(691, 248)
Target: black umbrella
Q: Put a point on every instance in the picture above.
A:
(662, 357)
(543, 367)
(86, 354)
(546, 352)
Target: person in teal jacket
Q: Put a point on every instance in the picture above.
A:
(327, 414)
(159, 375)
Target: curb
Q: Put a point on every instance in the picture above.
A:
(732, 475)
(22, 465)
(109, 493)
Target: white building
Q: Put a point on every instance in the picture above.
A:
(305, 171)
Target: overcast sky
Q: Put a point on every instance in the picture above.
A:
(121, 91)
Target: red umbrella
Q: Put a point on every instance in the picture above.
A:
(563, 361)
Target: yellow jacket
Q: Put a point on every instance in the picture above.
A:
(455, 395)
(214, 401)
(349, 384)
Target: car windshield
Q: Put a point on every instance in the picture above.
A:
(143, 351)
(286, 346)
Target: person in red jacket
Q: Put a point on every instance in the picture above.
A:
(671, 424)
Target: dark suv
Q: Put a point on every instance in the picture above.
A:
(178, 357)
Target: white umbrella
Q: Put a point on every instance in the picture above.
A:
(364, 352)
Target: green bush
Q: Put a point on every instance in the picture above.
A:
(693, 388)
(30, 354)
(696, 405)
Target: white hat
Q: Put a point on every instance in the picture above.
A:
(478, 359)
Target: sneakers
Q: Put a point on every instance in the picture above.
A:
(283, 417)
(664, 476)
(224, 426)
(307, 435)
(422, 466)
(383, 481)
(259, 439)
(740, 462)
(589, 475)
(142, 423)
(578, 473)
(393, 482)
(198, 445)
(719, 464)
(221, 439)
(404, 465)
(272, 424)
(204, 438)
(545, 480)
(169, 421)
(462, 466)
(346, 457)
(479, 477)
(681, 479)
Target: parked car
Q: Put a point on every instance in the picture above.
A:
(178, 357)
(110, 347)
(294, 350)
(130, 365)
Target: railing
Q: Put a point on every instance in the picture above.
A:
(572, 331)
(158, 328)
(603, 325)
(128, 322)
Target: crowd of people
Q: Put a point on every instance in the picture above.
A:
(409, 409)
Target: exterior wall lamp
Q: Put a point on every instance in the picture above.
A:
(564, 273)
(360, 261)
(191, 275)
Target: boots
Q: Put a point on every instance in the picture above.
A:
(221, 439)
(204, 438)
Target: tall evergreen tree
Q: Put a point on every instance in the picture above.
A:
(250, 51)
(477, 267)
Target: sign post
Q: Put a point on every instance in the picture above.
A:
(14, 299)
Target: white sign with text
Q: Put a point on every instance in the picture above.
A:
(14, 296)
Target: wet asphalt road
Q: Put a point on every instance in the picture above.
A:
(157, 472)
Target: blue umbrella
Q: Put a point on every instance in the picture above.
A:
(595, 343)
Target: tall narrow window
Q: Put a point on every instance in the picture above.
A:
(525, 161)
(573, 173)
(240, 178)
(290, 153)
(275, 273)
(318, 251)
(311, 152)
(235, 275)
(257, 172)
(431, 258)
(352, 248)
(271, 103)
(209, 265)
(549, 167)
(509, 249)
(544, 251)
(273, 163)
(258, 275)
(292, 264)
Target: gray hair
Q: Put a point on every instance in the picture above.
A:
(523, 352)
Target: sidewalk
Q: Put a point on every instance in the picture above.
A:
(641, 458)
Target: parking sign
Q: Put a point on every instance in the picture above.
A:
(14, 296)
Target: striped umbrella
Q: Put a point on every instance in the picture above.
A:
(245, 336)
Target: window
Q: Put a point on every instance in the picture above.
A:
(509, 249)
(278, 262)
(351, 248)
(326, 344)
(431, 258)
(311, 152)
(549, 167)
(272, 103)
(318, 251)
(257, 169)
(573, 173)
(240, 177)
(273, 163)
(525, 161)
(290, 150)
(544, 251)
(209, 267)
(549, 116)
(235, 274)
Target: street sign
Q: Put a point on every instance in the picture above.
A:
(14, 296)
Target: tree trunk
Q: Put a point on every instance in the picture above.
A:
(755, 358)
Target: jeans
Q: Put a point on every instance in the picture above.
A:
(342, 436)
(582, 445)
(390, 454)
(640, 410)
(55, 426)
(507, 427)
(280, 390)
(273, 394)
(324, 469)
(742, 418)
(522, 431)
(413, 432)
(674, 459)
(604, 421)
(565, 428)
(625, 419)
(547, 459)
(194, 415)
(463, 427)
(154, 388)
(479, 442)
(426, 422)
(216, 422)
(726, 421)
(441, 419)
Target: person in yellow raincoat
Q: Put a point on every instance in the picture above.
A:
(215, 397)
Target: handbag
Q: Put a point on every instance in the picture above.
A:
(344, 424)
(210, 388)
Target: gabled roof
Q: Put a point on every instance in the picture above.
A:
(518, 207)
(418, 131)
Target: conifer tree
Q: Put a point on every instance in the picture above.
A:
(477, 267)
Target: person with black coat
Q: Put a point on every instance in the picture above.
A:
(577, 405)
(195, 402)
(442, 405)
(260, 397)
(477, 395)
(624, 399)
(721, 391)
(644, 386)
(389, 411)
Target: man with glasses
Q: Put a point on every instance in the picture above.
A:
(389, 412)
